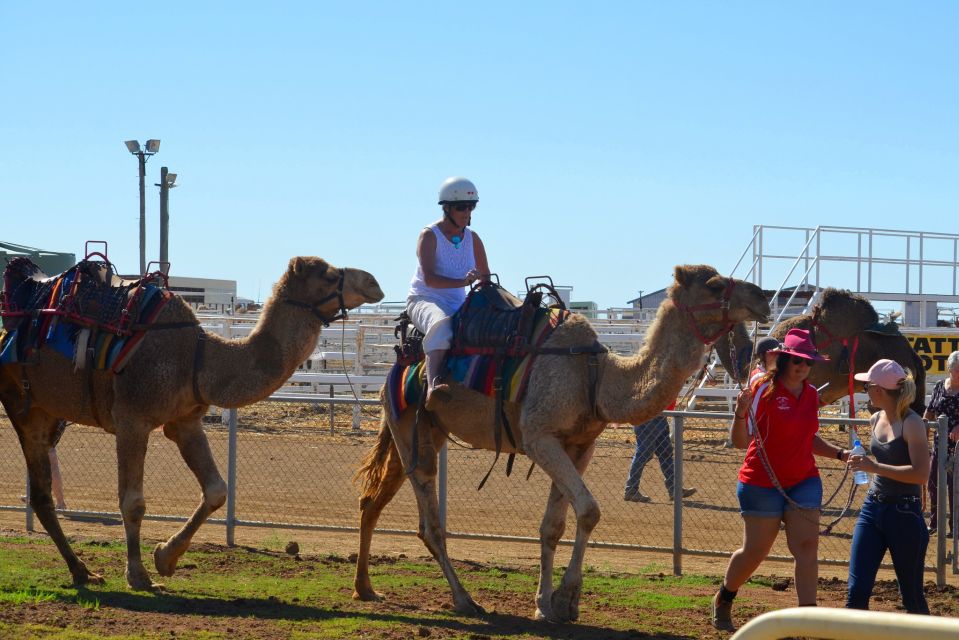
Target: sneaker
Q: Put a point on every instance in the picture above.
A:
(722, 617)
(687, 491)
(636, 496)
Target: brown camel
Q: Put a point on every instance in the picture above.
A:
(555, 426)
(161, 386)
(842, 316)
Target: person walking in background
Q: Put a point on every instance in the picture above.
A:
(765, 358)
(944, 402)
(652, 438)
(891, 515)
(783, 438)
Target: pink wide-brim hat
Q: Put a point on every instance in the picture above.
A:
(885, 373)
(799, 343)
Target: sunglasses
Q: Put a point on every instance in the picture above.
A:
(463, 206)
(798, 360)
(866, 386)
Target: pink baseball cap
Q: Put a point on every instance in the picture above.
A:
(885, 373)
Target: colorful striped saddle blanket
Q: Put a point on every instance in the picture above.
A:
(81, 313)
(406, 383)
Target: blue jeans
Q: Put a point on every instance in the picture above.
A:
(652, 438)
(898, 527)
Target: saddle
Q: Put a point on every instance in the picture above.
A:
(492, 321)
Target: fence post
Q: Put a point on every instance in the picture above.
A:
(231, 480)
(29, 506)
(358, 370)
(942, 433)
(441, 482)
(679, 481)
(955, 515)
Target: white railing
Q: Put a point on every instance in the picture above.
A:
(846, 624)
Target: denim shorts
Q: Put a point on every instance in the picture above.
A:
(767, 502)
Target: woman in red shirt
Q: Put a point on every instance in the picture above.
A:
(777, 421)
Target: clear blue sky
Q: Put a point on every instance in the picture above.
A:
(609, 141)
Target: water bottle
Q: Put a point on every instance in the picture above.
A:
(859, 477)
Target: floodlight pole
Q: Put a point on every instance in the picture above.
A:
(164, 216)
(143, 211)
(142, 153)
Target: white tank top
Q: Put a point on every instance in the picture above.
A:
(451, 262)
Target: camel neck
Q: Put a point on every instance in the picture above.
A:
(244, 371)
(635, 389)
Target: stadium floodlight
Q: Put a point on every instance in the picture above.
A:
(152, 146)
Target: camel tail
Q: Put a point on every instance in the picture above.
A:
(375, 468)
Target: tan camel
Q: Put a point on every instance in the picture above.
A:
(556, 427)
(161, 386)
(842, 316)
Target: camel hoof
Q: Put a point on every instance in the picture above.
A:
(164, 561)
(368, 596)
(141, 582)
(565, 604)
(88, 578)
(469, 608)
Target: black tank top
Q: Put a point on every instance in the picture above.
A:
(895, 453)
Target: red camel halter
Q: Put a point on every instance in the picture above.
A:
(722, 303)
(850, 344)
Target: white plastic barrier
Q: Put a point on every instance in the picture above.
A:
(846, 624)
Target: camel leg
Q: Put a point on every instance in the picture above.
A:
(34, 434)
(132, 437)
(550, 531)
(195, 449)
(565, 469)
(388, 480)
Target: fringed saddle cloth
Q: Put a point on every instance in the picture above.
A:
(87, 313)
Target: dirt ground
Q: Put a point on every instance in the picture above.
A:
(292, 469)
(423, 612)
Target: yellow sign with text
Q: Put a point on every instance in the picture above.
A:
(933, 349)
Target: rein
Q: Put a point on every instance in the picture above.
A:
(722, 303)
(314, 308)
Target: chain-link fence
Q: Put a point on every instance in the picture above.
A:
(295, 476)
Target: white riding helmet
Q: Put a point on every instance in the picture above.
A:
(458, 190)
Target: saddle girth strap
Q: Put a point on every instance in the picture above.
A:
(90, 365)
(25, 383)
(502, 423)
(198, 364)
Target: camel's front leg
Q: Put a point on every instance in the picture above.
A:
(132, 438)
(195, 449)
(565, 469)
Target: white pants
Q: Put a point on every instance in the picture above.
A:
(434, 322)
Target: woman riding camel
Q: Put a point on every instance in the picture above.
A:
(782, 409)
(450, 257)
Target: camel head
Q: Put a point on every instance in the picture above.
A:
(704, 292)
(847, 312)
(327, 290)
